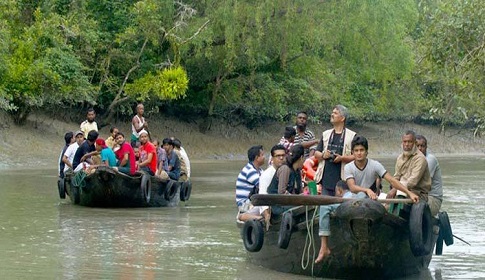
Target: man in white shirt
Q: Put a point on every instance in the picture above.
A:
(68, 156)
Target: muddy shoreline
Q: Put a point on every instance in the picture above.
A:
(39, 142)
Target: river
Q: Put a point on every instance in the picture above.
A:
(43, 237)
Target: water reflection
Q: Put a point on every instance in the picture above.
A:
(56, 240)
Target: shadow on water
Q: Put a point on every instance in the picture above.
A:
(52, 239)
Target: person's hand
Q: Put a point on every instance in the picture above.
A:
(145, 124)
(391, 193)
(413, 197)
(337, 158)
(371, 194)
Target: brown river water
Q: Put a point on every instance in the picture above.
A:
(43, 237)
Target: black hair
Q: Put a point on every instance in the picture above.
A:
(289, 131)
(359, 140)
(167, 141)
(253, 152)
(92, 135)
(296, 152)
(68, 136)
(119, 133)
(176, 143)
(302, 112)
(276, 148)
(343, 185)
(421, 137)
(91, 110)
(112, 129)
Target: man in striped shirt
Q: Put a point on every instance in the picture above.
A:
(247, 184)
(304, 136)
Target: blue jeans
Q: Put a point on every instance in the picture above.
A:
(324, 220)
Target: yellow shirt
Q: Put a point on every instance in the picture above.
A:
(86, 127)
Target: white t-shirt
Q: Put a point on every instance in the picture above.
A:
(70, 152)
(185, 157)
(367, 176)
(264, 182)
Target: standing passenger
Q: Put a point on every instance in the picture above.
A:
(89, 124)
(334, 151)
(138, 123)
(68, 139)
(304, 136)
(435, 196)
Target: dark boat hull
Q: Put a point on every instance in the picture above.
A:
(366, 243)
(109, 188)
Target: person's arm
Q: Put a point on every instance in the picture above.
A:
(310, 143)
(93, 153)
(398, 186)
(356, 188)
(65, 159)
(343, 159)
(125, 159)
(417, 170)
(283, 178)
(136, 124)
(147, 161)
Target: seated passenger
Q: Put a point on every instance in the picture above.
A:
(288, 139)
(173, 160)
(125, 155)
(82, 158)
(108, 157)
(287, 179)
(111, 140)
(183, 165)
(161, 155)
(68, 139)
(148, 154)
(68, 156)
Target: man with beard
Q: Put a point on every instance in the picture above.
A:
(89, 124)
(334, 151)
(125, 155)
(148, 154)
(304, 136)
(435, 196)
(412, 168)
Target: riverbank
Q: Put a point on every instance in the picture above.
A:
(38, 143)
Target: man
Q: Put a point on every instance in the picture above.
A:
(108, 157)
(89, 124)
(278, 155)
(111, 140)
(334, 151)
(173, 165)
(84, 152)
(68, 139)
(412, 168)
(68, 156)
(125, 155)
(185, 157)
(138, 123)
(183, 164)
(148, 154)
(435, 196)
(248, 183)
(288, 139)
(304, 136)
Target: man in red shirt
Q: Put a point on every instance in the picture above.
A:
(148, 154)
(125, 155)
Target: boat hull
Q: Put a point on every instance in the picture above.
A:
(109, 188)
(366, 242)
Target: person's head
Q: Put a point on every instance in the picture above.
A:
(341, 188)
(69, 138)
(136, 151)
(156, 143)
(290, 133)
(120, 138)
(339, 115)
(422, 143)
(296, 156)
(140, 109)
(143, 136)
(360, 147)
(278, 155)
(408, 141)
(79, 136)
(100, 144)
(176, 143)
(92, 136)
(301, 120)
(91, 115)
(256, 155)
(113, 131)
(167, 145)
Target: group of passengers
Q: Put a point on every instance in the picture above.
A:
(343, 170)
(85, 151)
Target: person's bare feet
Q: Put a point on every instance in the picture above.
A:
(324, 252)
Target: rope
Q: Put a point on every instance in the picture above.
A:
(309, 241)
(78, 179)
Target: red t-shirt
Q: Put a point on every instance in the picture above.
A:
(120, 154)
(145, 150)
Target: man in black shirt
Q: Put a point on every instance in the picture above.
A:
(85, 148)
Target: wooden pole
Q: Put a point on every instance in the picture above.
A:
(295, 200)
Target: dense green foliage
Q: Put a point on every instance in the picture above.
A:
(246, 61)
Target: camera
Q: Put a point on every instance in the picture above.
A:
(332, 156)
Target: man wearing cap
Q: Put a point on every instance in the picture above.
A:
(68, 156)
(84, 152)
(108, 157)
(148, 154)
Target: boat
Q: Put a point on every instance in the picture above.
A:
(106, 187)
(366, 241)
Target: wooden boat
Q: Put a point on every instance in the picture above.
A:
(108, 188)
(366, 241)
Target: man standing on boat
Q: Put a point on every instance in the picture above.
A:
(334, 151)
(89, 124)
(138, 123)
(360, 175)
(412, 168)
(435, 196)
(304, 136)
(247, 184)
